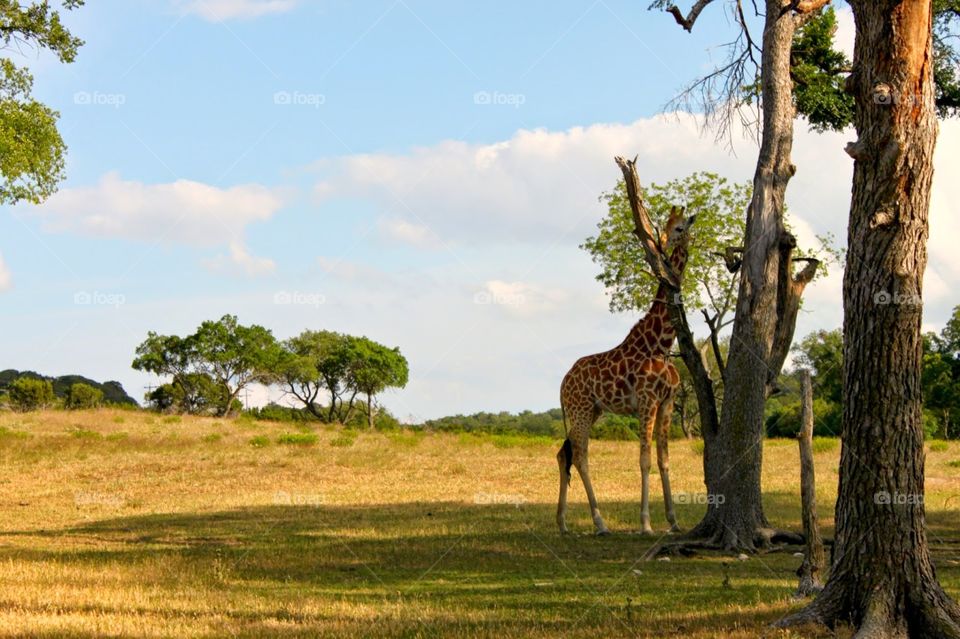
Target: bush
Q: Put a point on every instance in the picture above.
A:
(27, 393)
(939, 446)
(298, 439)
(82, 395)
(260, 441)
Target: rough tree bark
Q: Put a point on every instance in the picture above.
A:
(882, 579)
(767, 304)
(814, 561)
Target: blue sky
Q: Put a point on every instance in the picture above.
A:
(376, 168)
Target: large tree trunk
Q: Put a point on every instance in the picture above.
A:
(882, 579)
(733, 452)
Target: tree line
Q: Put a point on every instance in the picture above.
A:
(210, 368)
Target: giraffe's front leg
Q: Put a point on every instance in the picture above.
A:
(663, 459)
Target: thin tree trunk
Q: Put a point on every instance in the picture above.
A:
(733, 453)
(882, 579)
(812, 568)
(369, 411)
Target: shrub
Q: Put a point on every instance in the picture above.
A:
(954, 464)
(260, 441)
(27, 393)
(939, 446)
(82, 395)
(298, 439)
(343, 440)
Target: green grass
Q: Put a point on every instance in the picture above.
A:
(259, 441)
(954, 464)
(939, 446)
(398, 535)
(825, 444)
(298, 439)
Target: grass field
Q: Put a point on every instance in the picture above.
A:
(119, 523)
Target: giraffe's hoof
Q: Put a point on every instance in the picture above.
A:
(603, 532)
(647, 532)
(674, 529)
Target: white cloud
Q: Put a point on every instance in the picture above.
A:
(542, 187)
(405, 232)
(181, 212)
(6, 279)
(222, 10)
(239, 261)
(521, 298)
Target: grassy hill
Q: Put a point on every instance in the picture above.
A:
(127, 524)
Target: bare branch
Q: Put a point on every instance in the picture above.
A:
(643, 227)
(688, 21)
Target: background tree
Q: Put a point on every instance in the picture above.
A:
(210, 367)
(83, 395)
(882, 578)
(376, 368)
(755, 86)
(31, 149)
(26, 394)
(316, 361)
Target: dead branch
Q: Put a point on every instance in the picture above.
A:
(688, 21)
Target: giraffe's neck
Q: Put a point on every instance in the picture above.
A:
(653, 335)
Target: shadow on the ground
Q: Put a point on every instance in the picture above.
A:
(480, 569)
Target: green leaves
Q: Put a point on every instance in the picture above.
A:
(210, 367)
(31, 149)
(719, 206)
(817, 70)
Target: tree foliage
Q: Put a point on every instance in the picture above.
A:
(210, 367)
(82, 396)
(718, 205)
(26, 394)
(342, 367)
(31, 149)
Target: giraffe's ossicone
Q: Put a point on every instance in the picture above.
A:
(636, 378)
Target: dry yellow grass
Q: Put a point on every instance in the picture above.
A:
(126, 524)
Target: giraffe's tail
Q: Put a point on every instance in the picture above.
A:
(567, 449)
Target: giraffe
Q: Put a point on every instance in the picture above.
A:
(635, 378)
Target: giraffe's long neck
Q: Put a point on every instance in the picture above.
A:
(653, 335)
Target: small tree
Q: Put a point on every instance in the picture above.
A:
(82, 395)
(376, 368)
(28, 393)
(313, 362)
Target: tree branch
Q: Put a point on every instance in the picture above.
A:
(688, 21)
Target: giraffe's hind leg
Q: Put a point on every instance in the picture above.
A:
(574, 453)
(664, 414)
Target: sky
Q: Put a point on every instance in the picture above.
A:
(419, 172)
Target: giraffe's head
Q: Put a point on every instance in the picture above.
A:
(677, 230)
